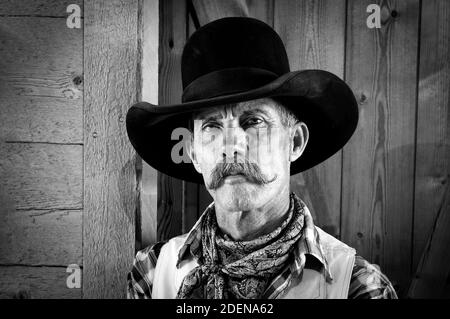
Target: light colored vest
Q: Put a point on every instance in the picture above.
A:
(313, 285)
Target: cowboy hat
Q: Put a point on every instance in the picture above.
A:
(237, 59)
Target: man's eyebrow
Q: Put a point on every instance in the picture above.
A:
(256, 111)
(207, 117)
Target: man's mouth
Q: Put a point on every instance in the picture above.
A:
(234, 174)
(234, 178)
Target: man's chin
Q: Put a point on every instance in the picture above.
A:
(237, 196)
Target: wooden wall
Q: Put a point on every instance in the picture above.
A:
(68, 175)
(41, 149)
(382, 193)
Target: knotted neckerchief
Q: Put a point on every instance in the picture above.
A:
(241, 269)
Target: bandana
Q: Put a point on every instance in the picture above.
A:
(241, 269)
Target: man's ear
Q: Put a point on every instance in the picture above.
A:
(191, 152)
(299, 139)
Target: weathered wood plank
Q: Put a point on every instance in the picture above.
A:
(43, 237)
(379, 160)
(111, 61)
(150, 62)
(431, 279)
(46, 8)
(41, 176)
(210, 10)
(433, 121)
(21, 282)
(262, 10)
(314, 36)
(190, 206)
(41, 119)
(41, 81)
(40, 57)
(170, 201)
(173, 17)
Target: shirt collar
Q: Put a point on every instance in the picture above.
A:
(308, 245)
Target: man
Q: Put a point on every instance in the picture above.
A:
(253, 123)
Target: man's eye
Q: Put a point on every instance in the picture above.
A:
(253, 122)
(210, 125)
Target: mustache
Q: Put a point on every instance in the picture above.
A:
(250, 170)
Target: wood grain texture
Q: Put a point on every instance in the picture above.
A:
(46, 8)
(210, 10)
(173, 17)
(379, 160)
(170, 201)
(20, 282)
(431, 279)
(110, 198)
(41, 119)
(149, 40)
(42, 237)
(40, 57)
(41, 176)
(190, 206)
(262, 10)
(41, 80)
(433, 121)
(314, 35)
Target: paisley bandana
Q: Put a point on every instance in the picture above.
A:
(231, 269)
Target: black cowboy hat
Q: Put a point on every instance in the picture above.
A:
(237, 59)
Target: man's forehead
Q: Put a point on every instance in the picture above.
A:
(265, 105)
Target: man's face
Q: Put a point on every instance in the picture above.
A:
(244, 153)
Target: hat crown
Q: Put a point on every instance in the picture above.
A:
(234, 42)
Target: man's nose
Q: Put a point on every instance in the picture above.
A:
(234, 144)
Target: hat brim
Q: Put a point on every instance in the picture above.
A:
(319, 98)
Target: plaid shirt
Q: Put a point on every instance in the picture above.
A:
(367, 281)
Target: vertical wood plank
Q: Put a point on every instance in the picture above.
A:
(314, 36)
(433, 121)
(210, 10)
(431, 280)
(378, 162)
(149, 39)
(112, 85)
(262, 10)
(172, 39)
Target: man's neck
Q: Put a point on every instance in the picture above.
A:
(248, 225)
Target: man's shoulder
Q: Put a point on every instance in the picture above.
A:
(368, 282)
(140, 278)
(328, 241)
(151, 252)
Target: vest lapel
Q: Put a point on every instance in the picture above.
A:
(311, 285)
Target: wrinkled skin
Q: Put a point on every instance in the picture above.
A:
(249, 203)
